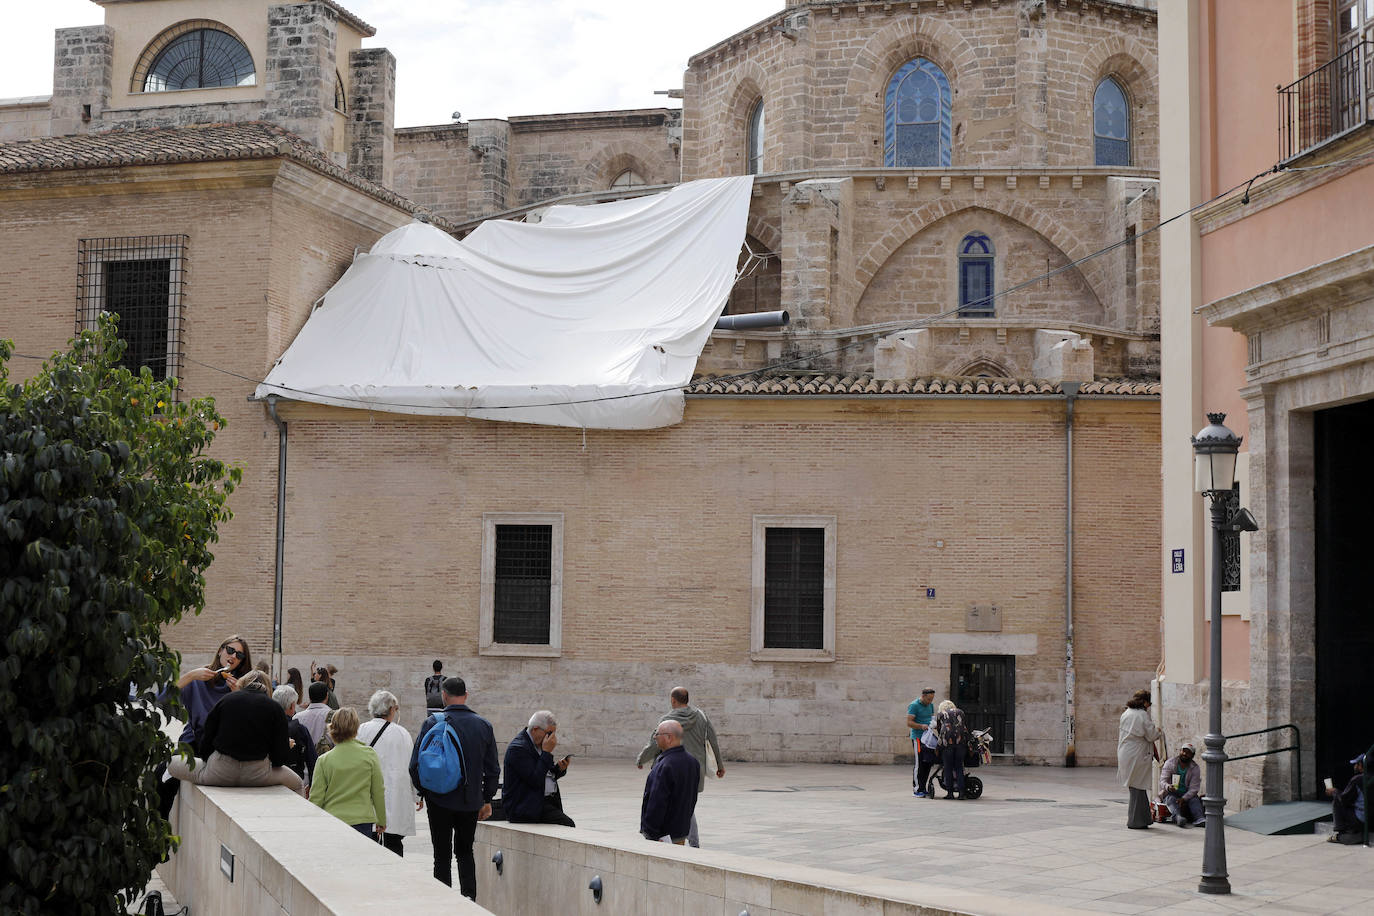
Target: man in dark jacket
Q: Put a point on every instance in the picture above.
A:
(670, 792)
(301, 758)
(530, 791)
(453, 816)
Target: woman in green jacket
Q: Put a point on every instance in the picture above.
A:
(348, 779)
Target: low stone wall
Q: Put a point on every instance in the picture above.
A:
(289, 858)
(549, 869)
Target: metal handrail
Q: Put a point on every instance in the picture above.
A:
(1297, 737)
(1325, 103)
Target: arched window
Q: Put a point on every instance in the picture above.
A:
(194, 55)
(976, 257)
(1111, 124)
(340, 97)
(755, 154)
(916, 117)
(628, 179)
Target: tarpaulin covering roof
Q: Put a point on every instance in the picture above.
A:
(593, 317)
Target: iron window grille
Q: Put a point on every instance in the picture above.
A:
(200, 59)
(141, 279)
(794, 588)
(523, 584)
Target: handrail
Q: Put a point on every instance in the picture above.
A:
(1297, 737)
(1325, 103)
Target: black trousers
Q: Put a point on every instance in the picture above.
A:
(452, 833)
(393, 841)
(952, 758)
(551, 813)
(925, 759)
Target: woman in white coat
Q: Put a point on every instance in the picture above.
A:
(1135, 752)
(392, 744)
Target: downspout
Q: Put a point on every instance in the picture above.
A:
(281, 537)
(1070, 390)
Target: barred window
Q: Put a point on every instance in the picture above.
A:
(142, 280)
(793, 588)
(522, 584)
(793, 616)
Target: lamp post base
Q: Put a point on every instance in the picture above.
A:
(1214, 885)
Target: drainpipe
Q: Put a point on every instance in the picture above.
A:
(281, 535)
(1070, 390)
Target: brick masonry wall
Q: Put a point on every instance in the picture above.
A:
(372, 109)
(385, 525)
(436, 168)
(299, 73)
(82, 62)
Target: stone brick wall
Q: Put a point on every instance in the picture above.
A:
(82, 61)
(1022, 77)
(372, 111)
(657, 564)
(437, 168)
(298, 75)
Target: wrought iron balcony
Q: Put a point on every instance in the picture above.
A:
(1330, 101)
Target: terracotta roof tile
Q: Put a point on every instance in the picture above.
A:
(171, 145)
(862, 385)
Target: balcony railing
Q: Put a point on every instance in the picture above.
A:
(1326, 103)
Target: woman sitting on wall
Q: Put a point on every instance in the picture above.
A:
(243, 742)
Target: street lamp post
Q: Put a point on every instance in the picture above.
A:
(1214, 457)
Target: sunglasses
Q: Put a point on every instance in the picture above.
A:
(232, 651)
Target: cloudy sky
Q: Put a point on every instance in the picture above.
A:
(485, 58)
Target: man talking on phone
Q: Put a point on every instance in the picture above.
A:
(530, 793)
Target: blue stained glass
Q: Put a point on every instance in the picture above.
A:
(1111, 124)
(916, 118)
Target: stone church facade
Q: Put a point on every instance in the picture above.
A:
(954, 442)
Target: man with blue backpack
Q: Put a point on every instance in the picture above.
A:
(454, 767)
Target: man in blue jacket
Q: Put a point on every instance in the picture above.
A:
(453, 816)
(670, 792)
(530, 791)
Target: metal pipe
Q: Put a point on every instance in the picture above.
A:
(277, 604)
(1070, 672)
(752, 321)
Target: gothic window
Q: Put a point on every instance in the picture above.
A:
(755, 154)
(916, 117)
(628, 179)
(1111, 124)
(976, 257)
(194, 55)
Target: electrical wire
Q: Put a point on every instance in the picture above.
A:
(865, 333)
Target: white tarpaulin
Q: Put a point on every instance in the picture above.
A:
(593, 317)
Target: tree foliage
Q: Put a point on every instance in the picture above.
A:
(108, 507)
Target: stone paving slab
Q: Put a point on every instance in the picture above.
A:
(1040, 835)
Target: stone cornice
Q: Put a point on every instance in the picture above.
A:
(1336, 283)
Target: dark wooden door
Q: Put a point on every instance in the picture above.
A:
(984, 687)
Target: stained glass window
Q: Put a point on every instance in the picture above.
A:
(976, 257)
(916, 116)
(200, 59)
(1111, 124)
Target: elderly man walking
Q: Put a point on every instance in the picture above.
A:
(670, 792)
(697, 732)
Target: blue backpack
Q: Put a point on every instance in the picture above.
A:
(440, 758)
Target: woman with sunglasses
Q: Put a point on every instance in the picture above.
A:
(201, 689)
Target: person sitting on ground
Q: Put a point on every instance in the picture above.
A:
(244, 742)
(301, 758)
(1348, 806)
(392, 743)
(348, 780)
(1180, 781)
(315, 713)
(530, 791)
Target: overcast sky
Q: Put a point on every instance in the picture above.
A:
(485, 58)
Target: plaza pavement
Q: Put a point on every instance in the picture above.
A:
(1039, 837)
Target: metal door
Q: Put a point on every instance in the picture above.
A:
(984, 687)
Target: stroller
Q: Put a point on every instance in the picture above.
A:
(977, 751)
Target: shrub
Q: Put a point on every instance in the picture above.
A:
(108, 507)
